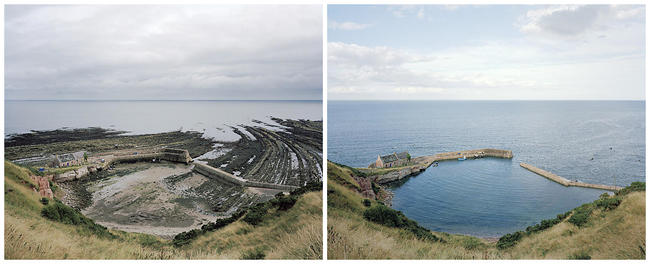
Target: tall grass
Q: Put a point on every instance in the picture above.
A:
(612, 232)
(292, 234)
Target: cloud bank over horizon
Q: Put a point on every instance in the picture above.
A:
(592, 52)
(163, 52)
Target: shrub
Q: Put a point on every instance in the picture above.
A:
(392, 218)
(581, 215)
(509, 240)
(634, 187)
(253, 215)
(284, 202)
(256, 213)
(385, 216)
(375, 188)
(366, 202)
(608, 203)
(256, 253)
(52, 186)
(60, 212)
(45, 201)
(185, 238)
(309, 187)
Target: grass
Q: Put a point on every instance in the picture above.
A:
(610, 232)
(292, 234)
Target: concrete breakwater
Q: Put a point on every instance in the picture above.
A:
(225, 176)
(474, 153)
(564, 181)
(173, 155)
(168, 154)
(422, 163)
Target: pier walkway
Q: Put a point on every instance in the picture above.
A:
(173, 155)
(564, 181)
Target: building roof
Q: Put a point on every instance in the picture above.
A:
(402, 155)
(394, 157)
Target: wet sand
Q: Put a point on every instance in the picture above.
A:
(144, 202)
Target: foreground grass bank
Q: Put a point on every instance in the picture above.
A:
(609, 228)
(294, 233)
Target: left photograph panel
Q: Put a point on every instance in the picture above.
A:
(163, 132)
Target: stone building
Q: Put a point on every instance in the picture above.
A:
(70, 159)
(391, 160)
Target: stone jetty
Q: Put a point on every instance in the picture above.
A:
(566, 182)
(218, 174)
(422, 163)
(173, 155)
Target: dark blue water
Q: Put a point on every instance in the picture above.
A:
(590, 141)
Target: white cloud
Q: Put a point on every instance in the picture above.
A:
(573, 21)
(496, 70)
(347, 25)
(403, 11)
(163, 52)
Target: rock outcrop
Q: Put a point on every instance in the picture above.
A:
(43, 186)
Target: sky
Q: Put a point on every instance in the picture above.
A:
(486, 52)
(133, 52)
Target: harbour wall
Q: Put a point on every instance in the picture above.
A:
(422, 163)
(218, 174)
(566, 182)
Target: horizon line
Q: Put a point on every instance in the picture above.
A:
(487, 100)
(144, 100)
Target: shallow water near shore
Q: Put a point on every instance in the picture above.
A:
(591, 141)
(213, 118)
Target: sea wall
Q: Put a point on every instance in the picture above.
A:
(475, 153)
(564, 181)
(173, 155)
(423, 162)
(218, 174)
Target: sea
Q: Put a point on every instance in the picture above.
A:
(215, 119)
(600, 142)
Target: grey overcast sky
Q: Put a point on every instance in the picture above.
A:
(495, 52)
(260, 52)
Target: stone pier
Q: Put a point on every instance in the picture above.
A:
(561, 180)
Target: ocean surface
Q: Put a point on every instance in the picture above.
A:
(591, 141)
(213, 118)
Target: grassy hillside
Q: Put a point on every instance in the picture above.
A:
(295, 233)
(610, 228)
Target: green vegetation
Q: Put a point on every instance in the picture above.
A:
(256, 253)
(60, 212)
(509, 240)
(579, 216)
(392, 218)
(30, 234)
(612, 230)
(254, 215)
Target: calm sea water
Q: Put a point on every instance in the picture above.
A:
(591, 141)
(213, 118)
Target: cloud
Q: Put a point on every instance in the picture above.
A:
(347, 25)
(402, 11)
(492, 70)
(163, 52)
(574, 21)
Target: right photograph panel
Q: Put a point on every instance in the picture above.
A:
(486, 132)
